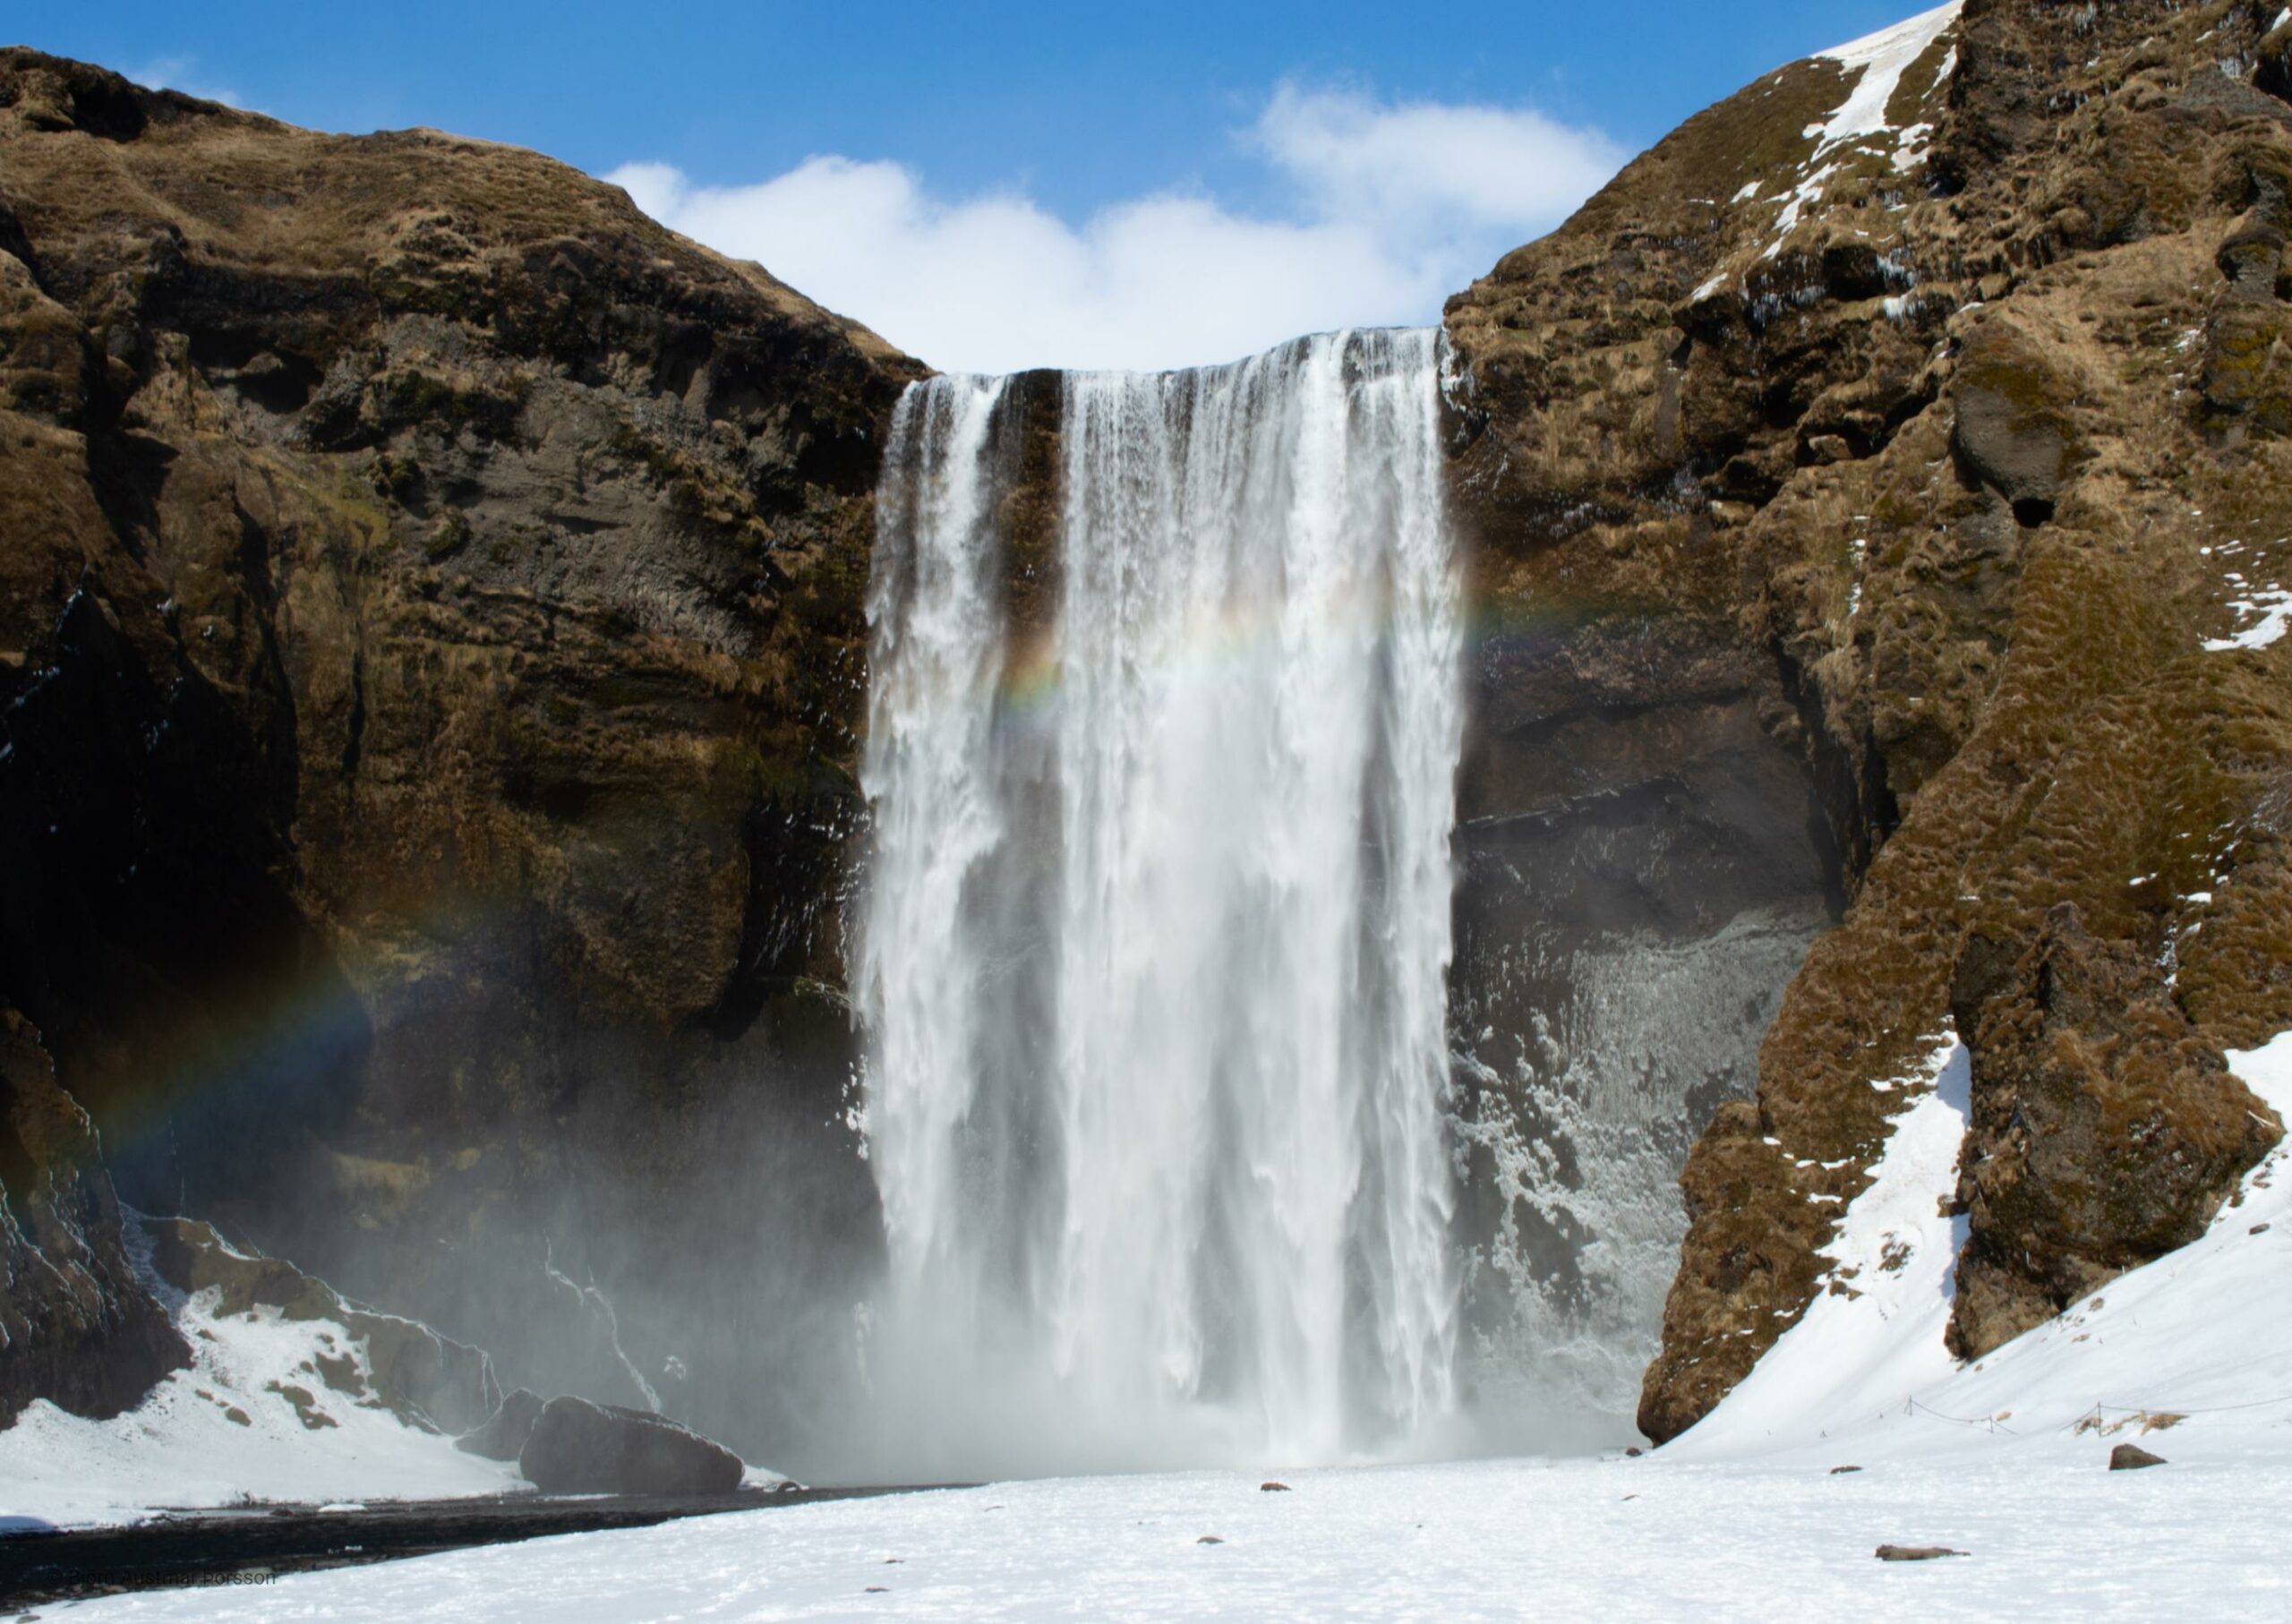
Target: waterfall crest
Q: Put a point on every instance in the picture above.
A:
(1152, 955)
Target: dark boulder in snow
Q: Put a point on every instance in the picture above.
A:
(2132, 1457)
(579, 1448)
(1915, 1553)
(504, 1434)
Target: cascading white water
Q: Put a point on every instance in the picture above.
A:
(1154, 951)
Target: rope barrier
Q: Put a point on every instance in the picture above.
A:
(2153, 1409)
(1913, 1406)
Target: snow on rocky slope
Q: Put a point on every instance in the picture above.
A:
(254, 1416)
(1882, 57)
(2193, 1352)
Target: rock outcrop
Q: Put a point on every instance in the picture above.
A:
(77, 1327)
(430, 620)
(579, 1448)
(504, 1434)
(1966, 426)
(427, 1380)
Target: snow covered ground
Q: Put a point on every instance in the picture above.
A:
(2050, 1532)
(1747, 1517)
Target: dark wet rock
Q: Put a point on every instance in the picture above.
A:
(77, 1327)
(2011, 430)
(1274, 1488)
(2273, 71)
(2133, 1457)
(1915, 1553)
(503, 1436)
(1843, 1471)
(579, 1448)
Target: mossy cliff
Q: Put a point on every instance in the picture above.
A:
(1969, 431)
(430, 657)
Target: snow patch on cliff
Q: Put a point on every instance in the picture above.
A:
(1877, 1321)
(2266, 608)
(1882, 57)
(253, 1417)
(2198, 1343)
(1876, 65)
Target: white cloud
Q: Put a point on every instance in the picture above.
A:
(1430, 166)
(181, 73)
(1389, 209)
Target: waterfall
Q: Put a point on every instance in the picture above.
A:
(1153, 952)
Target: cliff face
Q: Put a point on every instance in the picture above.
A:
(76, 1326)
(1956, 408)
(429, 663)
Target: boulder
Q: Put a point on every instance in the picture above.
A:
(579, 1448)
(2083, 1059)
(2012, 431)
(503, 1436)
(2132, 1457)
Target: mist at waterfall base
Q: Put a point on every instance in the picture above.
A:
(1153, 949)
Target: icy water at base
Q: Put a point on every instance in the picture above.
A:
(1153, 948)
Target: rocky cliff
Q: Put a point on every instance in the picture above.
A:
(429, 664)
(1943, 384)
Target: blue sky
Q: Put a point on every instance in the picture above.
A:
(1236, 148)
